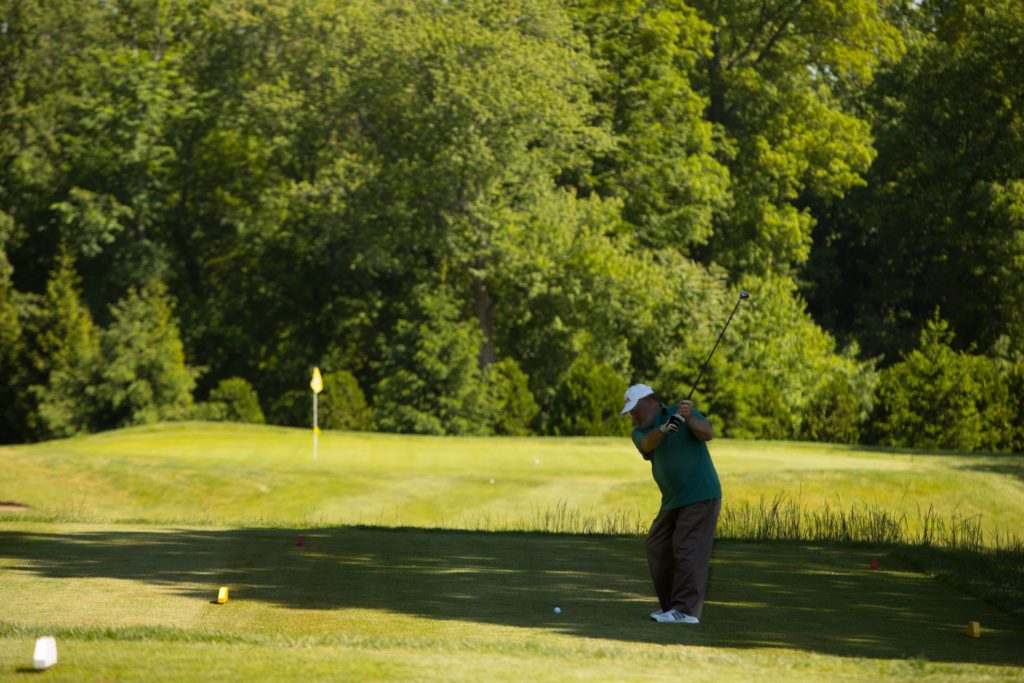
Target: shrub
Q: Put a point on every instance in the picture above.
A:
(832, 414)
(342, 404)
(233, 400)
(293, 408)
(587, 401)
(749, 405)
(996, 410)
(513, 403)
(1015, 389)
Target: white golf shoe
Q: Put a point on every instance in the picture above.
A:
(674, 616)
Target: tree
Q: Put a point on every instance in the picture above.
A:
(142, 376)
(65, 351)
(388, 185)
(14, 408)
(776, 79)
(662, 163)
(771, 363)
(942, 222)
(514, 406)
(431, 382)
(833, 414)
(468, 112)
(930, 399)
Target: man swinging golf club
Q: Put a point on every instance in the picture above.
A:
(674, 438)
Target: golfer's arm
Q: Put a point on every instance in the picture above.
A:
(651, 440)
(701, 429)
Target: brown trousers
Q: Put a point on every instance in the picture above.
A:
(679, 554)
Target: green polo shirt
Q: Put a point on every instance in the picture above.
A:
(681, 464)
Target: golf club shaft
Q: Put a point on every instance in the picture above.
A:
(722, 334)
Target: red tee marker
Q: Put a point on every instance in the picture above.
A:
(874, 563)
(300, 540)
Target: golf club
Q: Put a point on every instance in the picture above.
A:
(744, 294)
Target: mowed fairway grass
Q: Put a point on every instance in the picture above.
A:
(406, 573)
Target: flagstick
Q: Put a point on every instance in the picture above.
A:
(317, 385)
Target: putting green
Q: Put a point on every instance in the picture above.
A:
(249, 475)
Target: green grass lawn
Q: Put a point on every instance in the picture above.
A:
(220, 505)
(221, 473)
(137, 602)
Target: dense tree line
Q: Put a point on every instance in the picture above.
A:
(488, 217)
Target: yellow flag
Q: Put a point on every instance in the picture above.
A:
(317, 383)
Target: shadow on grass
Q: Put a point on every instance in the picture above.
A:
(805, 597)
(1008, 466)
(901, 450)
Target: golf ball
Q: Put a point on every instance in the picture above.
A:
(558, 610)
(492, 481)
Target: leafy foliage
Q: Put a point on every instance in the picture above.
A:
(832, 414)
(514, 405)
(662, 165)
(774, 77)
(13, 352)
(233, 400)
(461, 202)
(942, 398)
(941, 222)
(588, 400)
(431, 382)
(342, 404)
(771, 362)
(142, 375)
(66, 353)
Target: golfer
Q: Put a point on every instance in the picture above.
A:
(674, 438)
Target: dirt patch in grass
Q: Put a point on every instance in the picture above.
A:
(11, 505)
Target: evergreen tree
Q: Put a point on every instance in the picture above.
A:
(930, 399)
(142, 376)
(65, 353)
(342, 404)
(431, 381)
(14, 406)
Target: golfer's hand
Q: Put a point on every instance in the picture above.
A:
(686, 408)
(672, 424)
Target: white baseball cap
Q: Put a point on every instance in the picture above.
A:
(634, 394)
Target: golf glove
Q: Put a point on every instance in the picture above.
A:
(672, 424)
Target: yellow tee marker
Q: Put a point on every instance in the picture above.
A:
(974, 629)
(222, 596)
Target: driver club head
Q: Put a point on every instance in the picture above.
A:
(744, 294)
